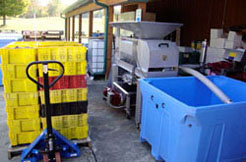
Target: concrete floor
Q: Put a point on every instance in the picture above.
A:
(114, 138)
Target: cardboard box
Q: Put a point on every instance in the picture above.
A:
(215, 55)
(127, 16)
(232, 44)
(217, 43)
(216, 33)
(233, 36)
(131, 16)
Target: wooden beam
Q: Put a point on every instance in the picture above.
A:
(73, 28)
(92, 7)
(68, 29)
(84, 9)
(110, 41)
(142, 6)
(113, 2)
(178, 35)
(80, 27)
(129, 8)
(90, 23)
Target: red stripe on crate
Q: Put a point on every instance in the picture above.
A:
(67, 82)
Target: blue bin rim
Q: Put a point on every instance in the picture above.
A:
(192, 108)
(6, 42)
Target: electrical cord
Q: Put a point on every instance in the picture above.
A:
(93, 153)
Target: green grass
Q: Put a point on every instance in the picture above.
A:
(49, 23)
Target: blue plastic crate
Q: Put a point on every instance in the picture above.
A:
(184, 121)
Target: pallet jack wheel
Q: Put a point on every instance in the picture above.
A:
(45, 158)
(58, 157)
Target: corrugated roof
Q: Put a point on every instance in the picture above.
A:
(81, 3)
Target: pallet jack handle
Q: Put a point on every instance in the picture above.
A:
(45, 71)
(50, 147)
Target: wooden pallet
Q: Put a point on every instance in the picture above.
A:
(17, 150)
(83, 142)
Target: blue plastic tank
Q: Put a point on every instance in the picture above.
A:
(184, 121)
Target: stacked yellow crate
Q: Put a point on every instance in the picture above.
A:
(70, 126)
(25, 121)
(70, 123)
(22, 44)
(21, 95)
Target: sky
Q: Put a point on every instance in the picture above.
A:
(65, 2)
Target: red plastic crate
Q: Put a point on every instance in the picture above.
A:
(67, 82)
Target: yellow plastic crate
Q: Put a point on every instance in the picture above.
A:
(62, 53)
(18, 56)
(75, 68)
(24, 125)
(67, 121)
(41, 44)
(50, 66)
(21, 99)
(76, 54)
(44, 54)
(70, 68)
(57, 43)
(66, 95)
(1, 51)
(69, 95)
(55, 96)
(19, 85)
(22, 138)
(23, 112)
(22, 45)
(81, 68)
(80, 120)
(50, 43)
(17, 71)
(75, 133)
(52, 53)
(68, 43)
(82, 94)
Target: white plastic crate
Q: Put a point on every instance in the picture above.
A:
(94, 52)
(96, 43)
(98, 59)
(96, 56)
(97, 65)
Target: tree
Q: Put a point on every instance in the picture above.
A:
(34, 6)
(54, 7)
(12, 8)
